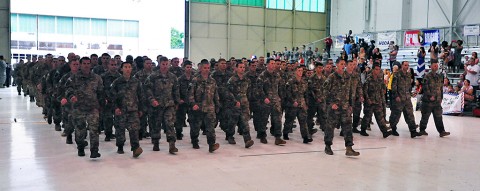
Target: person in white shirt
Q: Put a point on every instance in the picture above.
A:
(472, 70)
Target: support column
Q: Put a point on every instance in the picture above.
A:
(5, 28)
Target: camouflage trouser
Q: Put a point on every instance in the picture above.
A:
(31, 89)
(319, 109)
(107, 118)
(339, 117)
(237, 117)
(80, 120)
(55, 110)
(221, 119)
(368, 111)
(181, 116)
(130, 122)
(398, 108)
(19, 85)
(357, 109)
(427, 109)
(273, 110)
(197, 118)
(255, 109)
(164, 119)
(301, 115)
(67, 119)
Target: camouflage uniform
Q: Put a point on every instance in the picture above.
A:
(27, 77)
(253, 98)
(237, 92)
(67, 109)
(374, 94)
(54, 109)
(108, 110)
(316, 101)
(296, 91)
(357, 103)
(127, 95)
(401, 87)
(221, 79)
(338, 90)
(203, 93)
(182, 110)
(147, 118)
(100, 69)
(39, 71)
(89, 91)
(19, 77)
(432, 86)
(269, 84)
(164, 89)
(178, 71)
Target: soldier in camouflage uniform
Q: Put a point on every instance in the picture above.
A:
(53, 105)
(147, 118)
(175, 68)
(27, 78)
(268, 88)
(432, 100)
(355, 76)
(39, 71)
(19, 77)
(162, 93)
(127, 96)
(67, 107)
(107, 111)
(401, 88)
(102, 66)
(316, 99)
(183, 82)
(221, 77)
(261, 64)
(296, 93)
(237, 106)
(252, 75)
(374, 94)
(204, 102)
(85, 91)
(337, 91)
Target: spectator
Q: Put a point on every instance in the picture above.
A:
(3, 71)
(378, 56)
(393, 56)
(348, 48)
(421, 62)
(446, 84)
(328, 44)
(434, 50)
(417, 93)
(472, 69)
(458, 56)
(460, 82)
(362, 53)
(468, 90)
(450, 89)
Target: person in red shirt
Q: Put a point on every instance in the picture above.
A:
(328, 44)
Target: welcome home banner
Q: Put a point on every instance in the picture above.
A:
(421, 37)
(452, 103)
(339, 41)
(383, 39)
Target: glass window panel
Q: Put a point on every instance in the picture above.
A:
(115, 28)
(81, 26)
(27, 23)
(131, 28)
(254, 3)
(46, 24)
(13, 21)
(65, 25)
(210, 1)
(280, 4)
(310, 5)
(99, 27)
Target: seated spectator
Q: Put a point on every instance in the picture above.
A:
(457, 89)
(468, 90)
(460, 82)
(450, 89)
(417, 93)
(446, 84)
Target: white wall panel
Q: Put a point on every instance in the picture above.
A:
(317, 21)
(389, 15)
(435, 15)
(255, 33)
(255, 16)
(239, 15)
(470, 14)
(419, 16)
(302, 20)
(207, 48)
(284, 19)
(199, 12)
(217, 13)
(239, 32)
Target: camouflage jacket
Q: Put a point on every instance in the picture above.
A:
(127, 95)
(337, 90)
(59, 74)
(296, 92)
(108, 78)
(356, 83)
(374, 90)
(142, 75)
(60, 88)
(401, 85)
(178, 71)
(19, 71)
(48, 85)
(315, 88)
(163, 89)
(184, 83)
(203, 92)
(221, 79)
(39, 71)
(252, 93)
(88, 89)
(238, 91)
(432, 86)
(268, 85)
(99, 69)
(28, 71)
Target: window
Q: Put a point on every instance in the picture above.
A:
(210, 1)
(65, 25)
(81, 26)
(253, 3)
(280, 4)
(46, 24)
(115, 28)
(13, 21)
(99, 27)
(310, 5)
(27, 23)
(131, 28)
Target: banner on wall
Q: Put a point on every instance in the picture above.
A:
(452, 103)
(384, 38)
(421, 38)
(473, 30)
(367, 37)
(339, 41)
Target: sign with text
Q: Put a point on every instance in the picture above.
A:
(430, 36)
(339, 41)
(473, 30)
(384, 38)
(421, 38)
(452, 103)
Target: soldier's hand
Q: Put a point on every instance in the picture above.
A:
(267, 101)
(73, 99)
(361, 99)
(63, 101)
(39, 86)
(432, 98)
(155, 103)
(334, 106)
(195, 108)
(181, 101)
(397, 99)
(295, 104)
(118, 111)
(237, 104)
(319, 100)
(140, 114)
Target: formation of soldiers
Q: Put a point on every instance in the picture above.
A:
(95, 94)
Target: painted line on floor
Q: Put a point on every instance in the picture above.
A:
(301, 152)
